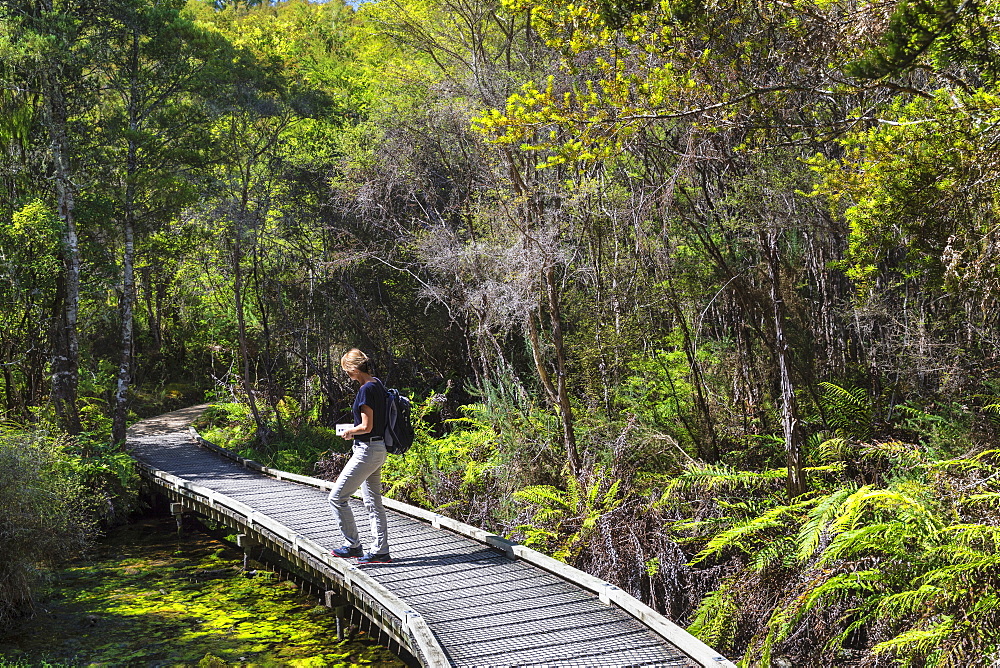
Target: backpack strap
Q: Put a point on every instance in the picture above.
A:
(388, 408)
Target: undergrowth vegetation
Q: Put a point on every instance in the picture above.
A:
(294, 445)
(903, 568)
(56, 493)
(890, 558)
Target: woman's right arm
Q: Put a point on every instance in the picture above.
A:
(367, 420)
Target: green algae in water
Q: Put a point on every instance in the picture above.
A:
(150, 598)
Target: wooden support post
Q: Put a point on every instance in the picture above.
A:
(177, 510)
(246, 542)
(339, 605)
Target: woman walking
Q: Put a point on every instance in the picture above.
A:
(364, 469)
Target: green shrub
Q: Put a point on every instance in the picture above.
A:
(46, 512)
(439, 471)
(296, 447)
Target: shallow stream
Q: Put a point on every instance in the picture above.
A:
(148, 597)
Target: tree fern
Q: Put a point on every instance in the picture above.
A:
(563, 519)
(891, 562)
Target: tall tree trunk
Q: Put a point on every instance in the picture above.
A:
(128, 255)
(565, 410)
(10, 391)
(273, 393)
(533, 213)
(711, 450)
(125, 357)
(790, 424)
(536, 353)
(65, 359)
(263, 433)
(150, 291)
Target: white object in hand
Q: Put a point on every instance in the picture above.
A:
(342, 427)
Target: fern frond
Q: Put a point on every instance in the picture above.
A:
(963, 464)
(984, 536)
(992, 412)
(746, 507)
(851, 509)
(849, 410)
(707, 478)
(918, 641)
(697, 525)
(574, 495)
(833, 467)
(840, 587)
(955, 575)
(860, 617)
(733, 537)
(717, 617)
(911, 602)
(866, 501)
(610, 500)
(737, 535)
(818, 522)
(593, 491)
(535, 536)
(955, 553)
(914, 412)
(835, 449)
(862, 542)
(544, 496)
(987, 604)
(994, 453)
(774, 553)
(991, 499)
(894, 450)
(855, 399)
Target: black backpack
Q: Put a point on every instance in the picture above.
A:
(398, 426)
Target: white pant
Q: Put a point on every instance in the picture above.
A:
(364, 470)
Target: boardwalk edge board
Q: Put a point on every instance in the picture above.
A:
(352, 577)
(607, 592)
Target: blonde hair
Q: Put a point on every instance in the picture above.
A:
(354, 359)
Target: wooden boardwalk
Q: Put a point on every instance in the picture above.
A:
(453, 596)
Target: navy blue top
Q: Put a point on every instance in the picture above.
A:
(371, 394)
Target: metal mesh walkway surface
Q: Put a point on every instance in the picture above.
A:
(483, 607)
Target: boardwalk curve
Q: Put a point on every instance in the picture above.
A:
(454, 595)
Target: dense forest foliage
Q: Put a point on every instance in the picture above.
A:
(701, 297)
